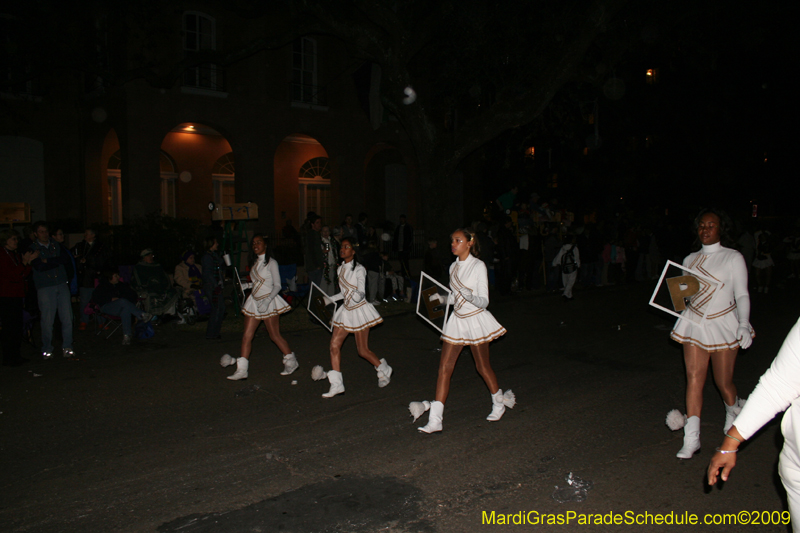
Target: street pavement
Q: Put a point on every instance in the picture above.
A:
(152, 437)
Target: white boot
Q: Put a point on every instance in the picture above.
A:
(691, 438)
(732, 411)
(290, 364)
(337, 385)
(499, 403)
(434, 418)
(384, 373)
(242, 365)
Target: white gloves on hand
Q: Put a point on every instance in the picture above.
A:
(745, 339)
(465, 293)
(247, 285)
(263, 304)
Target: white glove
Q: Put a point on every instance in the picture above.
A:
(465, 293)
(435, 298)
(745, 339)
(263, 304)
(357, 296)
(327, 300)
(247, 285)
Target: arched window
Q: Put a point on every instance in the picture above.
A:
(223, 175)
(315, 188)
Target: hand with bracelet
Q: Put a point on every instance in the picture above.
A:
(725, 456)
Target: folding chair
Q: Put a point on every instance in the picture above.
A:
(294, 296)
(111, 322)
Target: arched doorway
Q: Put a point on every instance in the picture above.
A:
(303, 177)
(194, 151)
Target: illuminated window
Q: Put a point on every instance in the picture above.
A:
(223, 175)
(315, 188)
(529, 152)
(114, 197)
(168, 178)
(651, 76)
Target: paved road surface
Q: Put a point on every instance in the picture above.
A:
(154, 438)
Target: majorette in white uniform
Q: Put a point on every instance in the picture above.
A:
(470, 322)
(264, 300)
(778, 389)
(719, 330)
(354, 315)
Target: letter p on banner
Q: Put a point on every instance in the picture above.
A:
(681, 288)
(685, 293)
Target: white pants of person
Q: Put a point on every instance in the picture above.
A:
(569, 281)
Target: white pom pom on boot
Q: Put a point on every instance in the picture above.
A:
(290, 364)
(227, 360)
(417, 408)
(317, 373)
(384, 373)
(434, 418)
(242, 365)
(691, 438)
(337, 385)
(732, 411)
(500, 401)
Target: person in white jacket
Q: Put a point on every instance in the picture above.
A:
(569, 259)
(777, 390)
(264, 304)
(725, 328)
(356, 315)
(470, 324)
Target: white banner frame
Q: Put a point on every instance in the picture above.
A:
(308, 305)
(423, 275)
(239, 286)
(694, 273)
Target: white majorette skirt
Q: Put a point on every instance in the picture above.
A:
(712, 335)
(763, 263)
(276, 307)
(361, 316)
(474, 329)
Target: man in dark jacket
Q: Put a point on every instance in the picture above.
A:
(52, 271)
(90, 258)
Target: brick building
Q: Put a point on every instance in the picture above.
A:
(292, 128)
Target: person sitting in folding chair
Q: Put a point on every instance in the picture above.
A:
(154, 286)
(116, 298)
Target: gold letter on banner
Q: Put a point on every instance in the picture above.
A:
(678, 293)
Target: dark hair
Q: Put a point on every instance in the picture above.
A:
(109, 272)
(354, 245)
(725, 226)
(362, 217)
(7, 233)
(252, 257)
(209, 241)
(475, 249)
(39, 223)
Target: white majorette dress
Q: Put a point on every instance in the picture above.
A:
(719, 330)
(351, 315)
(264, 300)
(470, 323)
